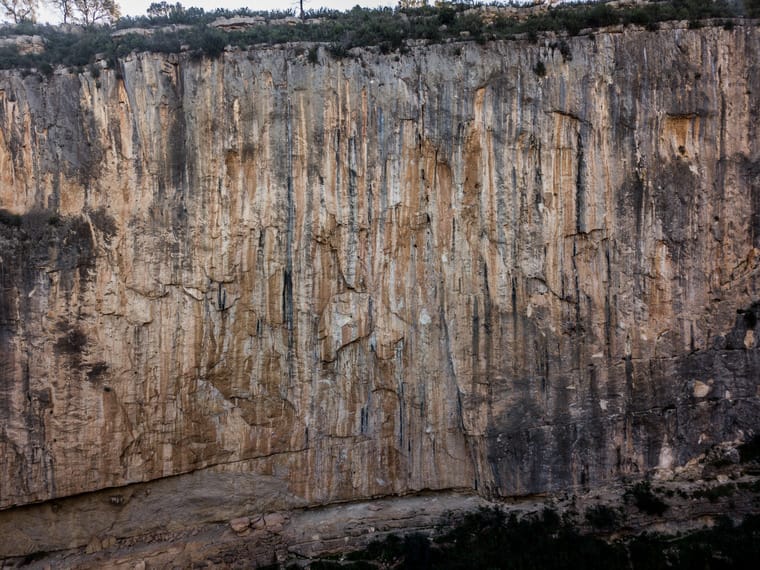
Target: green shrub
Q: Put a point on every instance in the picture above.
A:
(338, 51)
(753, 8)
(753, 486)
(10, 219)
(750, 450)
(712, 494)
(602, 517)
(313, 56)
(211, 42)
(601, 15)
(46, 69)
(645, 500)
(565, 51)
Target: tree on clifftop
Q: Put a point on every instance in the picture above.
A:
(165, 10)
(20, 10)
(86, 12)
(64, 7)
(90, 12)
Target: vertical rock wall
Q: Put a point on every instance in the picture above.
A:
(384, 273)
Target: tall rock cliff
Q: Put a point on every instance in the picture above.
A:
(381, 274)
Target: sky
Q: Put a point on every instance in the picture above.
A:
(139, 7)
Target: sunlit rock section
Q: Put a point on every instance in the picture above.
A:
(385, 273)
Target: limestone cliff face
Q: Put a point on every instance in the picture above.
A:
(381, 274)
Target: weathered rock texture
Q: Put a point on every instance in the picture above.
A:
(381, 274)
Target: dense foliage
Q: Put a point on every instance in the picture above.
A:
(175, 28)
(645, 499)
(753, 8)
(488, 539)
(750, 450)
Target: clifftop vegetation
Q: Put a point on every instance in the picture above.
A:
(172, 28)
